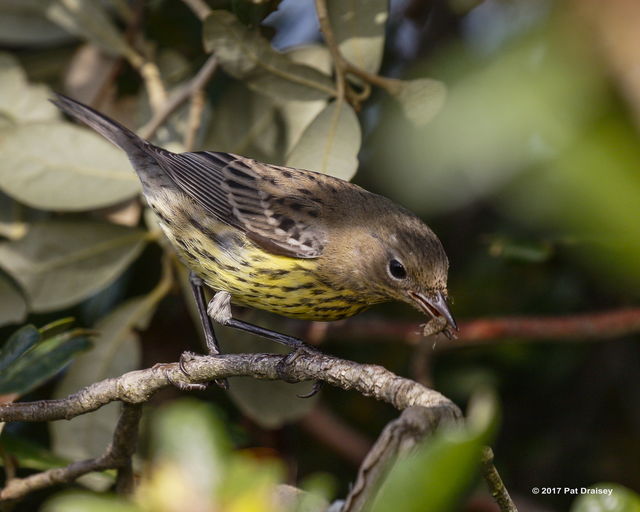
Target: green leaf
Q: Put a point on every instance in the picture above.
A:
(436, 476)
(23, 23)
(14, 307)
(116, 351)
(421, 99)
(19, 101)
(60, 263)
(359, 28)
(86, 502)
(249, 57)
(42, 361)
(61, 166)
(330, 144)
(620, 499)
(29, 454)
(19, 342)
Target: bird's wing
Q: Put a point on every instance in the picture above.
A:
(257, 198)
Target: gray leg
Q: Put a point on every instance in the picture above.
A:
(197, 286)
(220, 310)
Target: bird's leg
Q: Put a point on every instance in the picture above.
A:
(220, 310)
(197, 286)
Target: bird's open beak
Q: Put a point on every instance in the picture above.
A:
(435, 305)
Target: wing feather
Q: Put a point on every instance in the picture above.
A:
(253, 197)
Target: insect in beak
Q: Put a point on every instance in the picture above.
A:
(435, 305)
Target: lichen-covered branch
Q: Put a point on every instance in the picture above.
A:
(137, 387)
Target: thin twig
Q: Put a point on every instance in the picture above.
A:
(330, 40)
(117, 455)
(194, 120)
(198, 82)
(495, 483)
(199, 7)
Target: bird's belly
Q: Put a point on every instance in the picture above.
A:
(226, 260)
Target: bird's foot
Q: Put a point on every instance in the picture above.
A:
(283, 368)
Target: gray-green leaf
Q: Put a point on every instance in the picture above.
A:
(421, 99)
(247, 56)
(23, 23)
(90, 21)
(330, 144)
(359, 28)
(14, 307)
(59, 263)
(60, 166)
(19, 101)
(299, 114)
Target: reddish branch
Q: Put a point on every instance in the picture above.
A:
(589, 326)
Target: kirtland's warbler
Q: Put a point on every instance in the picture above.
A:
(290, 241)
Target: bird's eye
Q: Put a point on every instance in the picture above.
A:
(397, 270)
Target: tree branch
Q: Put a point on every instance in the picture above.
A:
(117, 456)
(137, 387)
(495, 483)
(197, 83)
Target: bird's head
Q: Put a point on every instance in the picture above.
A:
(403, 259)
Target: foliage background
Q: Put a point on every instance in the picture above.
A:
(528, 172)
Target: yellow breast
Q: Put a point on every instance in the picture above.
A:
(227, 260)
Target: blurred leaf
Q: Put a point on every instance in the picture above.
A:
(359, 28)
(85, 502)
(193, 463)
(29, 454)
(59, 263)
(14, 307)
(246, 123)
(19, 101)
(620, 500)
(41, 361)
(60, 166)
(116, 351)
(330, 144)
(299, 114)
(91, 21)
(421, 99)
(271, 404)
(23, 23)
(436, 476)
(533, 251)
(247, 56)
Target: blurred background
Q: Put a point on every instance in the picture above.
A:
(520, 150)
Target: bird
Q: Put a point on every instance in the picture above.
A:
(294, 242)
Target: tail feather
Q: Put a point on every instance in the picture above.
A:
(108, 128)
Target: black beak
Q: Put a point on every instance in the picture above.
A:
(435, 304)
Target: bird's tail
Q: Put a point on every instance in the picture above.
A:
(108, 128)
